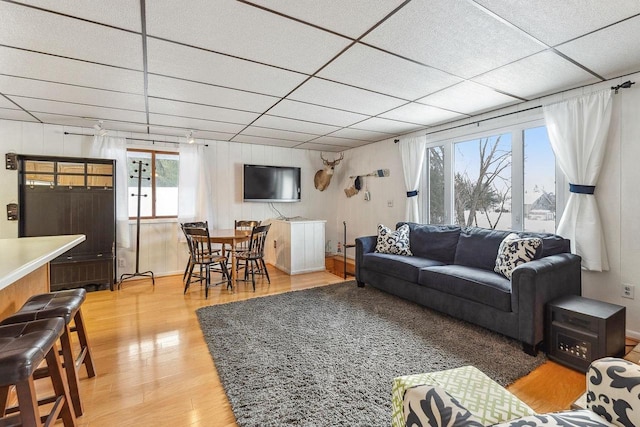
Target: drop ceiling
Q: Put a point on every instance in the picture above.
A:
(321, 75)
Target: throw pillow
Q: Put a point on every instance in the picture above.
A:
(433, 406)
(514, 251)
(393, 242)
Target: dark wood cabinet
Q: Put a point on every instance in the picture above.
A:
(65, 195)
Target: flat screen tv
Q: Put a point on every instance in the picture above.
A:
(271, 184)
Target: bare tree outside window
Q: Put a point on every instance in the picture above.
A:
(435, 157)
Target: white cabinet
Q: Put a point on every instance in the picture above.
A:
(296, 246)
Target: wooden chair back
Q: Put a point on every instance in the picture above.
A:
(199, 244)
(258, 239)
(248, 225)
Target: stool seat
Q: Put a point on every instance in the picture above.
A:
(23, 346)
(54, 304)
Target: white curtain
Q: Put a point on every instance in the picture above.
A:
(195, 199)
(412, 152)
(115, 148)
(578, 131)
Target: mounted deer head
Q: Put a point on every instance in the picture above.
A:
(322, 179)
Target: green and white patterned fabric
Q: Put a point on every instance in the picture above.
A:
(487, 401)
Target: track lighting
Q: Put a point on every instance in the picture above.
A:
(100, 130)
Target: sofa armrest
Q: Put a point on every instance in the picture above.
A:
(613, 389)
(538, 282)
(364, 245)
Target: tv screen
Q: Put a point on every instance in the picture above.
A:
(271, 184)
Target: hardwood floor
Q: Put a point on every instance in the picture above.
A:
(154, 368)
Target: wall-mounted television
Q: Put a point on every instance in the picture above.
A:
(271, 184)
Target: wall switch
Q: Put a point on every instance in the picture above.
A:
(628, 291)
(274, 244)
(390, 203)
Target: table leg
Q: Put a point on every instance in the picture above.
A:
(233, 262)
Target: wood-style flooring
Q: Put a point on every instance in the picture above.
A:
(154, 368)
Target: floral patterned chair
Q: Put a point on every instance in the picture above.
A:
(464, 397)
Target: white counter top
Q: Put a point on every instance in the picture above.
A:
(21, 256)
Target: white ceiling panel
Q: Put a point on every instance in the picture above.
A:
(372, 69)
(234, 28)
(189, 123)
(76, 94)
(322, 147)
(78, 110)
(335, 95)
(364, 135)
(199, 65)
(421, 114)
(540, 74)
(351, 18)
(468, 98)
(265, 141)
(32, 65)
(315, 113)
(5, 103)
(554, 22)
(68, 37)
(453, 36)
(611, 52)
(340, 142)
(57, 119)
(183, 90)
(11, 114)
(117, 13)
(181, 132)
(196, 111)
(387, 126)
(294, 125)
(277, 134)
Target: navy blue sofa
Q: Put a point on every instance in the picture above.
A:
(451, 271)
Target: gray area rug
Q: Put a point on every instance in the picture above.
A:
(327, 356)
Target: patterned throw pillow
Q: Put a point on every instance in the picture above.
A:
(433, 406)
(514, 251)
(393, 242)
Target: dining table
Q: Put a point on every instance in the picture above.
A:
(230, 237)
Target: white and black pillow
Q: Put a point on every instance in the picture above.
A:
(515, 250)
(393, 242)
(434, 407)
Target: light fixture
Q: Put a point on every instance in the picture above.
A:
(100, 130)
(190, 137)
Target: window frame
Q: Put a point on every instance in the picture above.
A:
(153, 180)
(516, 129)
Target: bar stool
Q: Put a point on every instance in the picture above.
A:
(23, 347)
(65, 304)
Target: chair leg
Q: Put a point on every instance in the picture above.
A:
(186, 269)
(60, 388)
(4, 395)
(207, 281)
(28, 403)
(186, 286)
(70, 368)
(225, 273)
(87, 359)
(253, 274)
(266, 272)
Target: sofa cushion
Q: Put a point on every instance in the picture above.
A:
(437, 242)
(514, 251)
(402, 267)
(393, 242)
(583, 417)
(482, 286)
(478, 247)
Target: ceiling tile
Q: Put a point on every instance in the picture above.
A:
(611, 52)
(277, 142)
(387, 126)
(294, 125)
(335, 95)
(421, 114)
(6, 103)
(188, 123)
(16, 62)
(351, 18)
(322, 147)
(196, 111)
(201, 134)
(538, 75)
(183, 90)
(76, 94)
(277, 134)
(78, 110)
(372, 69)
(341, 142)
(57, 119)
(117, 13)
(315, 113)
(468, 98)
(199, 65)
(555, 22)
(231, 27)
(364, 135)
(11, 114)
(68, 37)
(453, 36)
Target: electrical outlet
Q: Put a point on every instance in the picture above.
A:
(628, 291)
(274, 244)
(390, 203)
(120, 262)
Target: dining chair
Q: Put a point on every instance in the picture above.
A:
(201, 254)
(196, 224)
(253, 257)
(247, 225)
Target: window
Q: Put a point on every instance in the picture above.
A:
(504, 179)
(159, 183)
